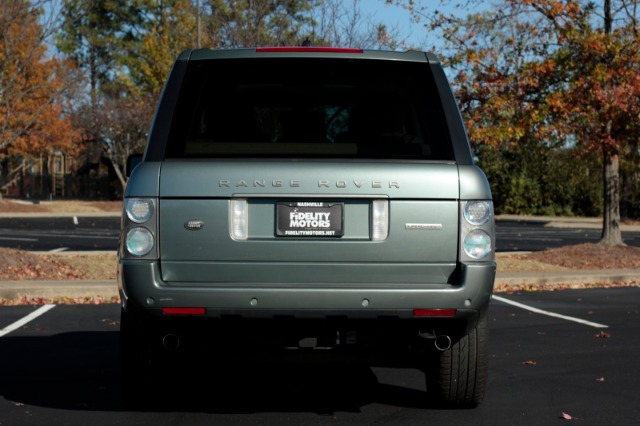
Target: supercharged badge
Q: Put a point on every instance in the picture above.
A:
(423, 226)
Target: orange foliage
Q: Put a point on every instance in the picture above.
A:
(31, 112)
(542, 69)
(602, 102)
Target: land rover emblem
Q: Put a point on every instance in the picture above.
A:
(194, 225)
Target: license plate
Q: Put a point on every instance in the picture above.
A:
(309, 219)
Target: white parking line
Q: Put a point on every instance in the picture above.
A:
(58, 250)
(547, 313)
(33, 315)
(62, 234)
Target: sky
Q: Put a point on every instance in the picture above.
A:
(416, 35)
(397, 20)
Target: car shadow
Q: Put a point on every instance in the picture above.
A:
(79, 371)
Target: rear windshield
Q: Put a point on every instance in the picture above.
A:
(310, 108)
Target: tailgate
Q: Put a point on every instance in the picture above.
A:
(195, 238)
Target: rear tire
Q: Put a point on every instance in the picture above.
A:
(458, 376)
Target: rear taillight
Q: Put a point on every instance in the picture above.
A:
(139, 241)
(477, 233)
(139, 229)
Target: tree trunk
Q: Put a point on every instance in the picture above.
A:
(121, 177)
(611, 233)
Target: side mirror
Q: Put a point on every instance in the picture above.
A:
(132, 162)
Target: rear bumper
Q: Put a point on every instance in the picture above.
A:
(140, 284)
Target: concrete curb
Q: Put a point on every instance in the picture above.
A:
(108, 289)
(567, 277)
(566, 222)
(62, 214)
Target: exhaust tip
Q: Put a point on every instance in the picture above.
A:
(442, 342)
(171, 342)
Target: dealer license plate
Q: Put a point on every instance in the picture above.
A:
(309, 219)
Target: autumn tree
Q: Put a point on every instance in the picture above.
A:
(496, 59)
(127, 48)
(600, 103)
(102, 37)
(96, 35)
(32, 87)
(165, 29)
(549, 73)
(253, 23)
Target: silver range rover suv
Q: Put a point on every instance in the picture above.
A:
(291, 199)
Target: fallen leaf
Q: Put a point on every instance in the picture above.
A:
(603, 335)
(566, 416)
(601, 379)
(529, 363)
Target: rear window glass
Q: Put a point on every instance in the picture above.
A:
(311, 108)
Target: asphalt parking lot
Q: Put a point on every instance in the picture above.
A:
(577, 354)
